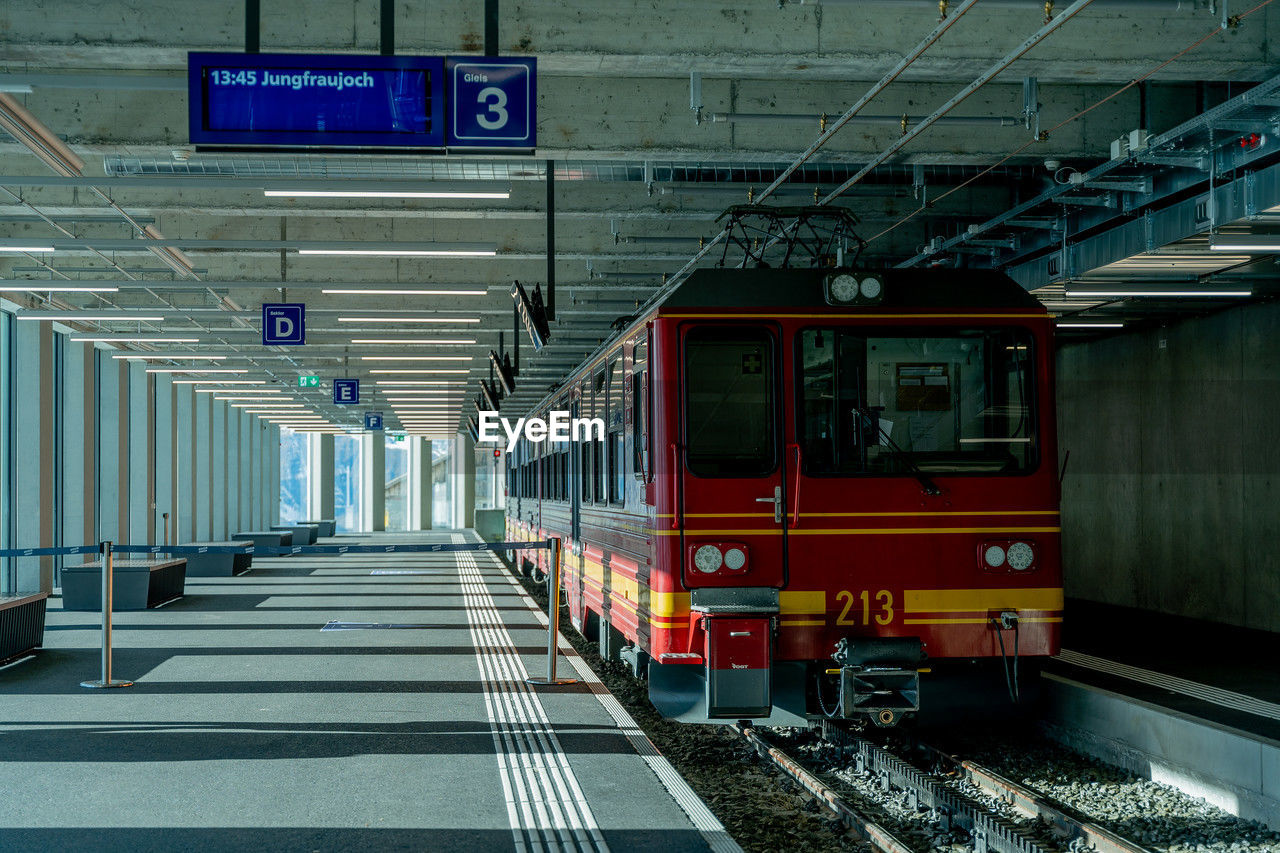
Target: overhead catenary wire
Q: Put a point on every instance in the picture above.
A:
(893, 74)
(1072, 118)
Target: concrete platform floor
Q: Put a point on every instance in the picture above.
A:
(260, 721)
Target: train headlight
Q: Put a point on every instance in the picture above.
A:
(853, 288)
(843, 289)
(735, 559)
(993, 556)
(1020, 556)
(708, 559)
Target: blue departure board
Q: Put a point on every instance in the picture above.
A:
(281, 99)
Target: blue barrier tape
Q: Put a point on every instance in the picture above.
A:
(48, 552)
(183, 550)
(437, 548)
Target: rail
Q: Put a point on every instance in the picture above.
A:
(987, 831)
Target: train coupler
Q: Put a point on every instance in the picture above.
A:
(879, 678)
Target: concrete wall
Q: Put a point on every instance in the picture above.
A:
(1170, 495)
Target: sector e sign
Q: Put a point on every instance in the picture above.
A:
(278, 99)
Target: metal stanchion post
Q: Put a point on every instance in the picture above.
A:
(108, 572)
(553, 619)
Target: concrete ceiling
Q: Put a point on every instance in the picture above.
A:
(638, 180)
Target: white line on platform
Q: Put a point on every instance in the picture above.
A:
(545, 803)
(1204, 692)
(706, 823)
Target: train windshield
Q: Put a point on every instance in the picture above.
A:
(891, 402)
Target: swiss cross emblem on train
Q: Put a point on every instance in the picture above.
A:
(750, 364)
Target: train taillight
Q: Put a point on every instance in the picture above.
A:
(853, 288)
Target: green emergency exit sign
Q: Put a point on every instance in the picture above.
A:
(308, 381)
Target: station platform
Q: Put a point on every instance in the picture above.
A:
(332, 702)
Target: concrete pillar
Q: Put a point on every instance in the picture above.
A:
(273, 473)
(233, 472)
(184, 462)
(322, 485)
(248, 424)
(202, 447)
(77, 438)
(420, 471)
(217, 469)
(137, 509)
(162, 435)
(108, 455)
(373, 473)
(33, 447)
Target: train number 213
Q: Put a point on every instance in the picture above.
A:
(882, 601)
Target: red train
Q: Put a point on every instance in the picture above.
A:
(818, 490)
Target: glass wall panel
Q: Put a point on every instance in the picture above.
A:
(346, 483)
(295, 475)
(441, 491)
(8, 571)
(398, 483)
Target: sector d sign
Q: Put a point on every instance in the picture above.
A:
(284, 324)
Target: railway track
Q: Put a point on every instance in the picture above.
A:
(950, 813)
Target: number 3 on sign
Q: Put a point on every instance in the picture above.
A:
(884, 607)
(498, 108)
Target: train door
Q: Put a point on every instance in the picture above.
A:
(573, 493)
(730, 459)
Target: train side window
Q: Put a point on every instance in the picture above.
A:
(730, 407)
(640, 412)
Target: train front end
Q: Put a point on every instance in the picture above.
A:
(856, 488)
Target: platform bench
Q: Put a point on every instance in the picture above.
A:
(21, 625)
(303, 533)
(218, 564)
(324, 526)
(267, 538)
(136, 584)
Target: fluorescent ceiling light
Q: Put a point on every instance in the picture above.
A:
(95, 318)
(238, 398)
(407, 382)
(245, 391)
(26, 248)
(409, 342)
(420, 372)
(136, 339)
(408, 319)
(196, 370)
(300, 193)
(1245, 243)
(219, 382)
(415, 358)
(1201, 293)
(405, 253)
(1090, 325)
(62, 288)
(388, 292)
(153, 356)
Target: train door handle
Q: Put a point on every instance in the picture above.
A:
(776, 500)
(739, 633)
